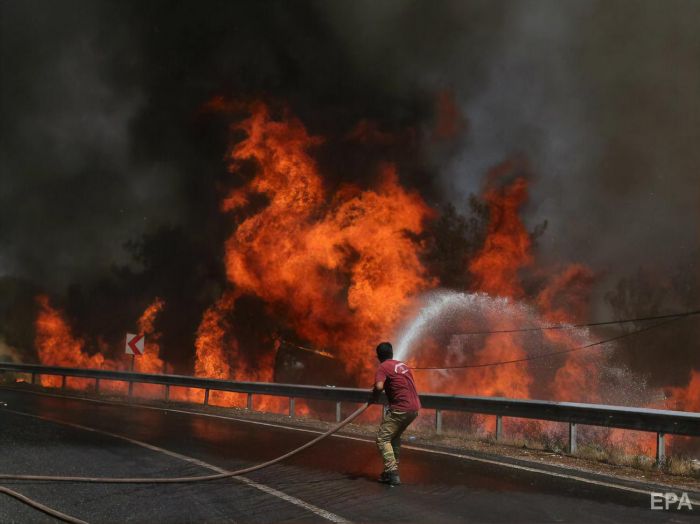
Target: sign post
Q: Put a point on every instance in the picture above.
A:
(134, 346)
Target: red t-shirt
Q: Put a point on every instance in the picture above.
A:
(398, 384)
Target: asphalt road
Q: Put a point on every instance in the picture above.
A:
(333, 481)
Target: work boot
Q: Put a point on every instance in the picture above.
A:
(394, 479)
(385, 477)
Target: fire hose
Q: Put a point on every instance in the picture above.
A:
(160, 480)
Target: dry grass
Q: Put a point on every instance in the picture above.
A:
(674, 465)
(601, 452)
(593, 452)
(683, 466)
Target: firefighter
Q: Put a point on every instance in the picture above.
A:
(394, 378)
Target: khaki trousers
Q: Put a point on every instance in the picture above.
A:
(389, 436)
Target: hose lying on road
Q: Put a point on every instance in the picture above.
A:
(161, 480)
(37, 505)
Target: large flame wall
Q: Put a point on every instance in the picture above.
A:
(344, 269)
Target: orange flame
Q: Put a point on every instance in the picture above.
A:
(211, 360)
(566, 298)
(495, 269)
(686, 398)
(56, 345)
(211, 347)
(507, 246)
(150, 361)
(341, 269)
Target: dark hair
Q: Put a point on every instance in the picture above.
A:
(384, 351)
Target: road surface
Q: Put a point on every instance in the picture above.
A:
(331, 482)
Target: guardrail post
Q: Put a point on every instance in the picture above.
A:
(167, 392)
(97, 385)
(572, 438)
(438, 421)
(337, 412)
(206, 397)
(291, 406)
(499, 428)
(63, 382)
(660, 450)
(33, 378)
(249, 402)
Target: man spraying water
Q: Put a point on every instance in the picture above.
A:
(395, 378)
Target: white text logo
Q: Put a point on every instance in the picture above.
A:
(670, 500)
(401, 368)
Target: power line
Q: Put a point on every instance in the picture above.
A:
(554, 353)
(588, 324)
(668, 318)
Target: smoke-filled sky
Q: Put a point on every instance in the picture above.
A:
(103, 138)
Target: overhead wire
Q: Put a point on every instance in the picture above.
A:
(667, 319)
(553, 353)
(586, 324)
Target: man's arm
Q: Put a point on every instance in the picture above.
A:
(378, 386)
(376, 392)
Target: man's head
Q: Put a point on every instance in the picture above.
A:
(384, 351)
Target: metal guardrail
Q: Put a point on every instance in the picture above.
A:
(658, 421)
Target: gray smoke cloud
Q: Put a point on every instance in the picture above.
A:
(72, 192)
(602, 98)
